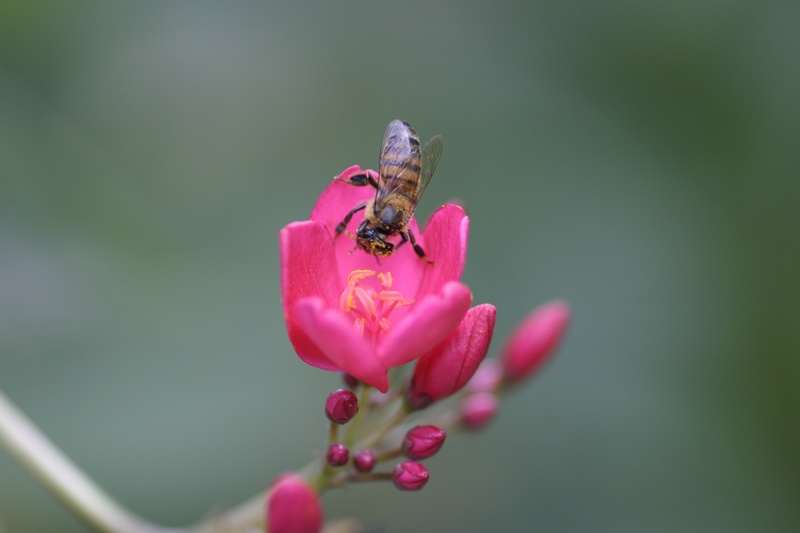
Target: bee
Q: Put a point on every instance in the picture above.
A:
(404, 173)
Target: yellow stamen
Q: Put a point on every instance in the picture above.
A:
(386, 280)
(357, 275)
(371, 307)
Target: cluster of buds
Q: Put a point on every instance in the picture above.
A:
(419, 442)
(344, 314)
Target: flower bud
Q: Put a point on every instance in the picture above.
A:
(479, 409)
(534, 340)
(410, 475)
(449, 365)
(422, 442)
(364, 460)
(487, 378)
(292, 506)
(341, 406)
(337, 454)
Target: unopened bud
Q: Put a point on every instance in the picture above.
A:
(479, 409)
(364, 460)
(341, 406)
(337, 454)
(487, 378)
(410, 475)
(534, 340)
(448, 366)
(422, 442)
(293, 507)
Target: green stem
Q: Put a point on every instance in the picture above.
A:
(354, 426)
(65, 480)
(333, 433)
(398, 417)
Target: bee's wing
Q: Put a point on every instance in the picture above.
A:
(431, 153)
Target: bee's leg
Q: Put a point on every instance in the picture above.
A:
(343, 224)
(417, 248)
(360, 180)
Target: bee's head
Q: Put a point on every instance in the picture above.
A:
(373, 242)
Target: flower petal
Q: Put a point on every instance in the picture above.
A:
(449, 366)
(428, 322)
(308, 268)
(338, 199)
(446, 244)
(329, 329)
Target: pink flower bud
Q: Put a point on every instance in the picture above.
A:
(422, 442)
(341, 406)
(479, 409)
(410, 476)
(364, 460)
(292, 507)
(487, 378)
(534, 340)
(337, 454)
(447, 367)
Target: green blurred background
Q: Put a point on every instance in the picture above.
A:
(640, 159)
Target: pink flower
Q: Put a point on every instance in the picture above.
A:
(446, 368)
(292, 506)
(534, 340)
(345, 312)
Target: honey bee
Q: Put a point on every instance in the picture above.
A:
(404, 173)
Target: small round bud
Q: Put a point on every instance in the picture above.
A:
(293, 506)
(337, 454)
(410, 476)
(364, 460)
(479, 409)
(341, 406)
(423, 441)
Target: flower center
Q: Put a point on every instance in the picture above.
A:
(371, 307)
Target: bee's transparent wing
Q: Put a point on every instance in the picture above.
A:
(430, 155)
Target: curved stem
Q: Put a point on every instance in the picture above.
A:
(398, 417)
(42, 459)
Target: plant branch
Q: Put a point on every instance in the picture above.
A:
(65, 480)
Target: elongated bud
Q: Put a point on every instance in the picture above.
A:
(479, 409)
(337, 454)
(341, 406)
(364, 460)
(487, 378)
(534, 340)
(410, 475)
(292, 506)
(447, 367)
(422, 442)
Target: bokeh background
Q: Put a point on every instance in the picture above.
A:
(640, 159)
